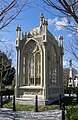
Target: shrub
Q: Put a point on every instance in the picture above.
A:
(7, 91)
(72, 113)
(68, 90)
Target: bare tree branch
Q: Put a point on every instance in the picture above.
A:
(10, 9)
(69, 8)
(65, 7)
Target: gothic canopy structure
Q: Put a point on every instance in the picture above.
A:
(39, 65)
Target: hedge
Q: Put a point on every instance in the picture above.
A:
(7, 91)
(68, 90)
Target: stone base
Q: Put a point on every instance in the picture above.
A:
(31, 101)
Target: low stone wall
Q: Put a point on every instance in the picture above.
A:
(31, 101)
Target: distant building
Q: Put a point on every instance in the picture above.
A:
(76, 80)
(70, 81)
(39, 65)
(66, 72)
(73, 78)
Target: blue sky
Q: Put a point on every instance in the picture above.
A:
(29, 19)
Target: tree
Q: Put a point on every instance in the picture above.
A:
(6, 69)
(8, 76)
(72, 48)
(10, 9)
(68, 8)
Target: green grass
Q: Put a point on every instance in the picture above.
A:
(8, 104)
(72, 112)
(48, 107)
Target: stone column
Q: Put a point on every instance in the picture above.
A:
(45, 70)
(62, 82)
(34, 71)
(45, 58)
(0, 86)
(41, 68)
(61, 63)
(16, 86)
(18, 36)
(20, 68)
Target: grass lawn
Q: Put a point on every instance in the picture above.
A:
(55, 105)
(72, 112)
(8, 104)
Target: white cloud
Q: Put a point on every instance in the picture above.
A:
(65, 63)
(69, 35)
(52, 21)
(59, 23)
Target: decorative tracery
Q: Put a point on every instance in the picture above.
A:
(52, 66)
(33, 64)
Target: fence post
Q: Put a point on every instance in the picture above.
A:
(9, 97)
(14, 109)
(1, 101)
(77, 97)
(63, 111)
(60, 101)
(36, 104)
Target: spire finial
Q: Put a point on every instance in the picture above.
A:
(61, 40)
(41, 18)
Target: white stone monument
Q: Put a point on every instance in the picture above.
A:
(39, 69)
(70, 81)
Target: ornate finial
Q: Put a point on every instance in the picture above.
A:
(61, 37)
(23, 35)
(41, 18)
(18, 36)
(70, 63)
(61, 40)
(18, 31)
(41, 15)
(18, 28)
(46, 22)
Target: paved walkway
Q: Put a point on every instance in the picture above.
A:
(8, 114)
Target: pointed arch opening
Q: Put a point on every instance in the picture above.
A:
(32, 64)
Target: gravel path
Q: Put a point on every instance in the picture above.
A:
(8, 114)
